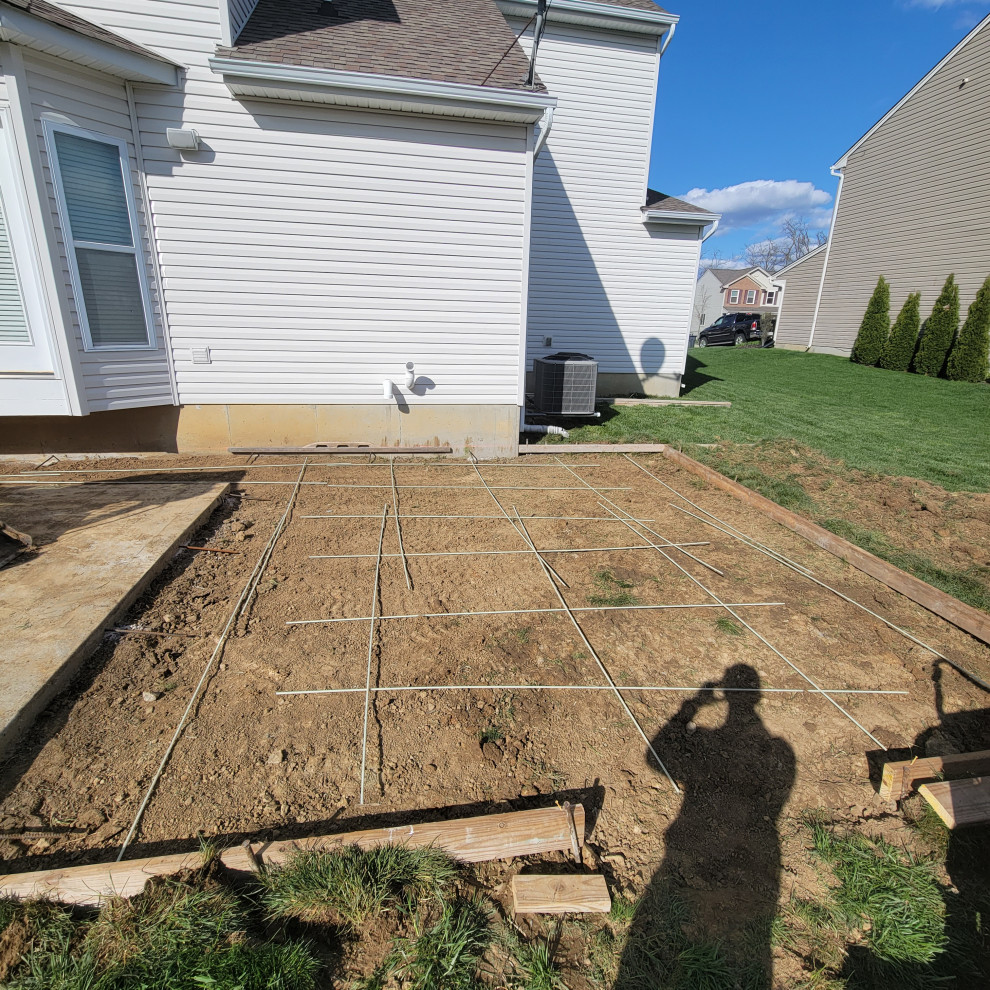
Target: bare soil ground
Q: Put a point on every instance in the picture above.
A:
(255, 764)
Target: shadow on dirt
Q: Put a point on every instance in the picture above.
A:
(711, 902)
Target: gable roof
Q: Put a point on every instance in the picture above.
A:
(841, 163)
(801, 260)
(661, 201)
(668, 209)
(467, 43)
(48, 28)
(728, 275)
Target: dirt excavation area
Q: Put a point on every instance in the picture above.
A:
(446, 639)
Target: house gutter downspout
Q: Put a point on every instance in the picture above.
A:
(714, 227)
(668, 39)
(828, 250)
(545, 124)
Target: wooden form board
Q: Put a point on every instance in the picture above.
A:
(471, 840)
(92, 885)
(666, 402)
(340, 448)
(973, 621)
(959, 802)
(592, 448)
(899, 778)
(564, 894)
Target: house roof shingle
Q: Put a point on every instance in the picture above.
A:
(727, 275)
(661, 201)
(636, 5)
(62, 18)
(468, 42)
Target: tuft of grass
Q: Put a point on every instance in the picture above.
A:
(728, 626)
(353, 885)
(539, 971)
(893, 897)
(703, 966)
(612, 591)
(446, 955)
(178, 935)
(491, 734)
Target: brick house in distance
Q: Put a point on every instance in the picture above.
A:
(733, 290)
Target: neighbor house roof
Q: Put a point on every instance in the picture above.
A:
(45, 27)
(468, 42)
(727, 276)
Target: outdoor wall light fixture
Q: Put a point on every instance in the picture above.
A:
(182, 140)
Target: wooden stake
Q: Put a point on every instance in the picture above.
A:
(959, 802)
(563, 894)
(899, 778)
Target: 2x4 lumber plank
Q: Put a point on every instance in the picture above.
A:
(900, 777)
(471, 840)
(564, 894)
(967, 618)
(592, 448)
(959, 802)
(340, 449)
(93, 885)
(666, 402)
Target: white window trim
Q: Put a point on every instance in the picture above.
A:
(771, 297)
(51, 128)
(733, 297)
(751, 292)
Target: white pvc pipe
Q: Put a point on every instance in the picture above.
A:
(558, 431)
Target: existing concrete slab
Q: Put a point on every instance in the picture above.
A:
(98, 547)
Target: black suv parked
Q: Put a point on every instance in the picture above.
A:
(733, 328)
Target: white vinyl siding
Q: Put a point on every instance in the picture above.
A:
(111, 378)
(315, 250)
(100, 227)
(915, 203)
(601, 281)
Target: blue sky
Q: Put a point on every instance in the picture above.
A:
(758, 99)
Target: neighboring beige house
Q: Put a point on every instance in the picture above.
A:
(913, 202)
(800, 282)
(733, 290)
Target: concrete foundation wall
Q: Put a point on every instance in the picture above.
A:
(488, 431)
(663, 385)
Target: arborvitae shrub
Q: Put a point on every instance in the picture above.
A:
(875, 328)
(969, 359)
(940, 331)
(899, 348)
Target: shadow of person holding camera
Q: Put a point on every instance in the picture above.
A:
(710, 904)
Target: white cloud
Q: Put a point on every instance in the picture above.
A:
(764, 202)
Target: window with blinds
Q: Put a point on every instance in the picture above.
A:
(13, 320)
(97, 210)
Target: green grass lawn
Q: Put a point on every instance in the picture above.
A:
(879, 421)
